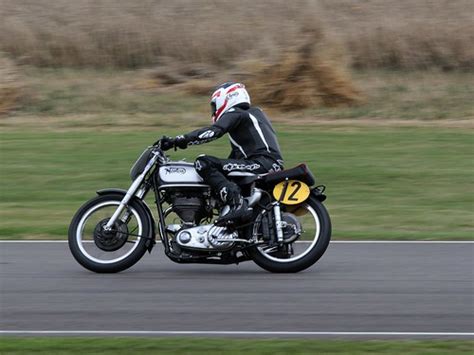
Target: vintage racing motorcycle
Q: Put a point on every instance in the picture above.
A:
(289, 232)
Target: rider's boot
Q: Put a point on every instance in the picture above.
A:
(237, 214)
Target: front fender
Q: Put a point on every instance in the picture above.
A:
(150, 242)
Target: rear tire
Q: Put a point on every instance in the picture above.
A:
(81, 239)
(310, 257)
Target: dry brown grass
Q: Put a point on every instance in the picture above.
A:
(290, 54)
(123, 33)
(404, 34)
(131, 34)
(309, 75)
(11, 87)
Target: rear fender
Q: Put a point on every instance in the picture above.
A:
(152, 239)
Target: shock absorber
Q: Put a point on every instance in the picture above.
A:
(278, 223)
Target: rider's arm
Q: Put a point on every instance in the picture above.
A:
(226, 123)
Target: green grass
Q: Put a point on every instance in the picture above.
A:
(382, 183)
(225, 346)
(79, 131)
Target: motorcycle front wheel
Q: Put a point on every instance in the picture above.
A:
(307, 234)
(114, 250)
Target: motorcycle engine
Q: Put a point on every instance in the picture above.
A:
(206, 237)
(190, 208)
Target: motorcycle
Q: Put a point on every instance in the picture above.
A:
(290, 229)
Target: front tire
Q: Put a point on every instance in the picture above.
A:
(317, 246)
(109, 252)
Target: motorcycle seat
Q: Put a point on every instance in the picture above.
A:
(243, 177)
(299, 172)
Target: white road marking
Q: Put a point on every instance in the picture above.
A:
(225, 332)
(403, 241)
(302, 241)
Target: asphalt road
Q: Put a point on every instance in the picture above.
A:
(374, 288)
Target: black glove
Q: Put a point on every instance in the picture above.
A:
(181, 142)
(166, 142)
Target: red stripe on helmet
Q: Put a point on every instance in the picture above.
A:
(235, 87)
(219, 111)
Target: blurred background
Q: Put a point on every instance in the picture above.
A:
(375, 95)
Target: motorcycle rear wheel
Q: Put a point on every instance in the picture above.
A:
(313, 247)
(108, 252)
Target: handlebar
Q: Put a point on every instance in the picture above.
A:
(165, 143)
(157, 150)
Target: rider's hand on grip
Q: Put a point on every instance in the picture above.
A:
(166, 142)
(181, 142)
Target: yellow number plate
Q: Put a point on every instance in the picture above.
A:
(291, 192)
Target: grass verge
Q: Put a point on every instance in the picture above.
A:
(226, 346)
(112, 98)
(383, 182)
(397, 167)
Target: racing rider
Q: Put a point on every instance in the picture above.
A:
(254, 145)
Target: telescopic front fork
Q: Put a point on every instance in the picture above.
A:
(132, 191)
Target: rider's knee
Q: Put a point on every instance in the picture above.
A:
(204, 163)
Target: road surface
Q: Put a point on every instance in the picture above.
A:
(356, 289)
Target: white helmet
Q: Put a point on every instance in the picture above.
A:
(226, 96)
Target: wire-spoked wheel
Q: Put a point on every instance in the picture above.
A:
(109, 250)
(306, 236)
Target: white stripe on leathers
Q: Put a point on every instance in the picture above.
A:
(259, 130)
(237, 145)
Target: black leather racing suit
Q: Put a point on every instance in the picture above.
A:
(254, 145)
